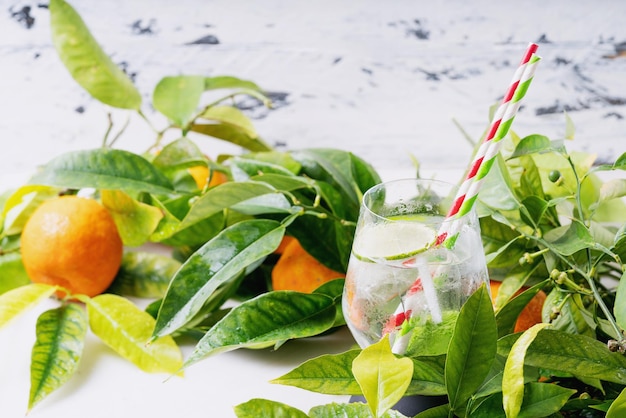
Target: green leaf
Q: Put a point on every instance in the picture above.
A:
(12, 272)
(497, 191)
(570, 128)
(21, 204)
(178, 97)
(574, 354)
(570, 239)
(257, 408)
(19, 300)
(532, 144)
(127, 330)
(88, 64)
(231, 134)
(229, 82)
(103, 169)
(513, 377)
(219, 260)
(543, 399)
(618, 406)
(508, 314)
(350, 410)
(231, 116)
(619, 308)
(268, 319)
(226, 196)
(60, 340)
(330, 374)
(144, 274)
(135, 221)
(612, 189)
(181, 153)
(472, 349)
(382, 376)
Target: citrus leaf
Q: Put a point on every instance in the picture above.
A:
(618, 406)
(570, 239)
(103, 169)
(219, 260)
(181, 153)
(19, 300)
(612, 189)
(87, 62)
(513, 377)
(21, 204)
(12, 273)
(229, 82)
(255, 408)
(244, 168)
(619, 308)
(135, 221)
(127, 330)
(382, 376)
(225, 196)
(231, 116)
(350, 410)
(57, 350)
(533, 144)
(268, 319)
(178, 97)
(578, 355)
(144, 274)
(472, 348)
(231, 134)
(330, 374)
(543, 399)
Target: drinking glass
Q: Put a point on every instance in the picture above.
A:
(411, 268)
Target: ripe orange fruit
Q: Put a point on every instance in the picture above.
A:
(283, 244)
(201, 173)
(72, 242)
(298, 270)
(531, 314)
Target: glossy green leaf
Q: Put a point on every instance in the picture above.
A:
(543, 399)
(256, 408)
(619, 308)
(497, 191)
(20, 299)
(349, 410)
(144, 274)
(125, 328)
(57, 350)
(244, 168)
(383, 377)
(532, 144)
(533, 209)
(284, 183)
(571, 239)
(229, 82)
(223, 197)
(178, 97)
(88, 64)
(12, 272)
(21, 204)
(103, 169)
(232, 116)
(575, 354)
(334, 289)
(231, 134)
(513, 377)
(330, 374)
(268, 319)
(219, 260)
(472, 349)
(571, 318)
(136, 221)
(618, 406)
(181, 153)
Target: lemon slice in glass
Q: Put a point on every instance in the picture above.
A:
(393, 240)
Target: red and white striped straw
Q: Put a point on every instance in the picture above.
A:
(495, 124)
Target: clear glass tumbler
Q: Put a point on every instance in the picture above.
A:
(411, 269)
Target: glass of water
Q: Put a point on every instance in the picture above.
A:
(411, 268)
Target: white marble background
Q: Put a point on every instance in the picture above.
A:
(385, 79)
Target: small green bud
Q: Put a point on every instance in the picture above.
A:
(554, 176)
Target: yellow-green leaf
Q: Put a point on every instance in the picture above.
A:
(19, 300)
(383, 377)
(513, 376)
(88, 64)
(127, 330)
(231, 116)
(135, 220)
(57, 350)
